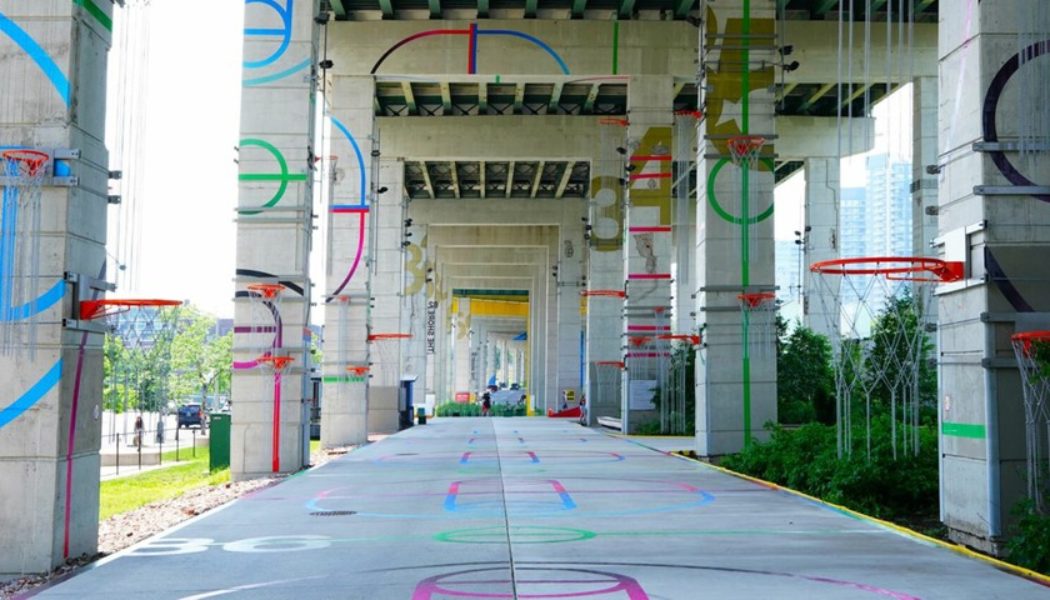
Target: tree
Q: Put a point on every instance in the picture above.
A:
(200, 360)
(805, 379)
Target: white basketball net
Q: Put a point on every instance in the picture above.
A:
(1032, 351)
(24, 172)
(878, 341)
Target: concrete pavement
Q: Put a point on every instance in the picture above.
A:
(531, 508)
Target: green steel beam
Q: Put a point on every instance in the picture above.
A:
(483, 9)
(921, 6)
(410, 98)
(435, 8)
(578, 7)
(340, 10)
(876, 5)
(530, 9)
(626, 8)
(592, 95)
(682, 7)
(781, 5)
(824, 6)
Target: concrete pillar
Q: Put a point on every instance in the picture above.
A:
(648, 253)
(924, 154)
(53, 65)
(820, 307)
(387, 270)
(461, 328)
(347, 275)
(999, 229)
(569, 356)
(414, 308)
(274, 226)
(736, 376)
(605, 272)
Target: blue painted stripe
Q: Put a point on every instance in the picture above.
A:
(48, 299)
(285, 33)
(360, 157)
(32, 395)
(38, 54)
(535, 40)
(7, 238)
(277, 76)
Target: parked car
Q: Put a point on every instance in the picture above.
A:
(192, 414)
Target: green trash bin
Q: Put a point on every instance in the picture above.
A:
(219, 443)
(421, 415)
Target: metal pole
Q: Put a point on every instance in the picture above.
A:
(118, 454)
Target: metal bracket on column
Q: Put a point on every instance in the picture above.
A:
(85, 287)
(1001, 146)
(1011, 190)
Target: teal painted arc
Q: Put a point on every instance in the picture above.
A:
(32, 396)
(263, 80)
(40, 56)
(283, 177)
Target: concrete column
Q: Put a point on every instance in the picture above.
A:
(924, 154)
(414, 308)
(1001, 232)
(347, 276)
(53, 65)
(736, 376)
(648, 253)
(387, 271)
(820, 308)
(605, 272)
(569, 320)
(461, 327)
(274, 227)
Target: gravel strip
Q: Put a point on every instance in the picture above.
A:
(123, 530)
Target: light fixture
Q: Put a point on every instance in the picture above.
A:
(792, 66)
(382, 190)
(621, 150)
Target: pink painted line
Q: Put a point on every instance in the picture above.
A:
(277, 421)
(649, 157)
(356, 209)
(648, 328)
(649, 229)
(357, 255)
(71, 444)
(649, 276)
(650, 176)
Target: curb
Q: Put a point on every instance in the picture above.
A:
(1028, 574)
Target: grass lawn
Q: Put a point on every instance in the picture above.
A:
(128, 493)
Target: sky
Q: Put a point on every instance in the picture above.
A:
(893, 135)
(189, 178)
(189, 119)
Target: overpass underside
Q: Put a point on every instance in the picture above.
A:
(548, 196)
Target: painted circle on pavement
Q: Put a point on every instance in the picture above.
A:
(519, 534)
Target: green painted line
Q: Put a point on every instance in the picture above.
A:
(745, 180)
(99, 14)
(342, 379)
(616, 48)
(974, 431)
(273, 177)
(498, 78)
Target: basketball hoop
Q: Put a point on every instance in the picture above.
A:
(875, 308)
(1032, 350)
(388, 353)
(265, 316)
(277, 364)
(358, 371)
(603, 294)
(746, 149)
(688, 338)
(142, 330)
(23, 175)
(758, 310)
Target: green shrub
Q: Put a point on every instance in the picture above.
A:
(1030, 546)
(806, 459)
